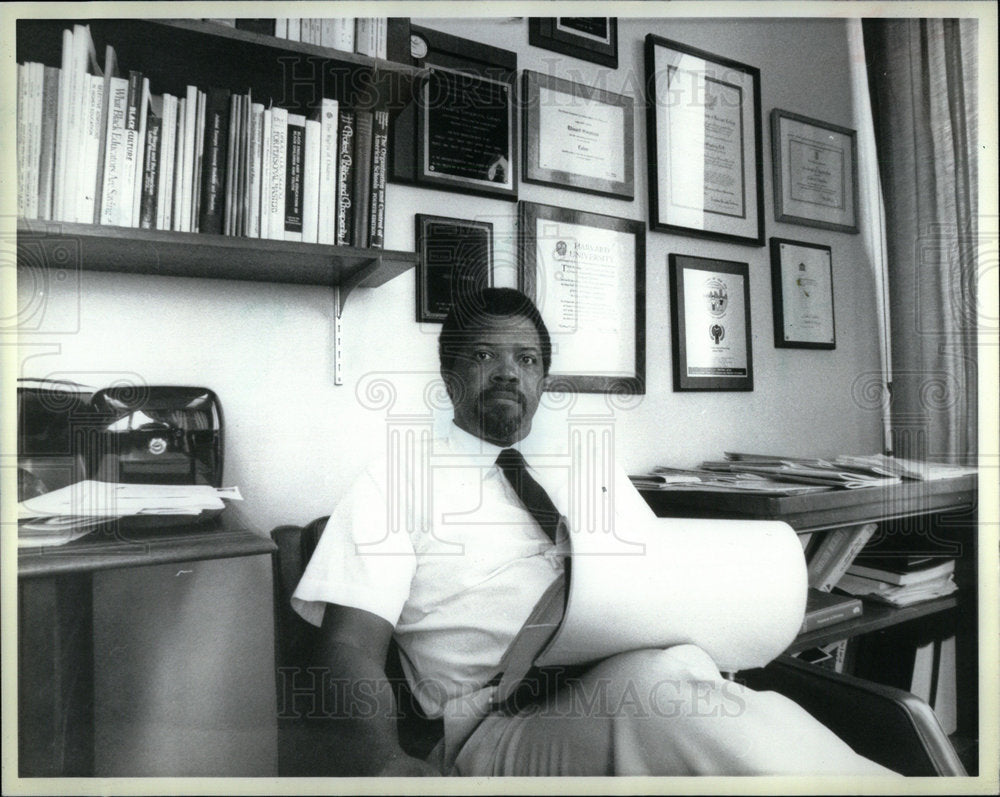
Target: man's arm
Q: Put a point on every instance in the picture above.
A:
(353, 648)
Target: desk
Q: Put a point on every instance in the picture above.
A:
(945, 510)
(57, 625)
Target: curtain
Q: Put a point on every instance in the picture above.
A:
(923, 85)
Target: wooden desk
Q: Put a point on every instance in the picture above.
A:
(56, 626)
(947, 507)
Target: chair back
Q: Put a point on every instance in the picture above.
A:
(296, 644)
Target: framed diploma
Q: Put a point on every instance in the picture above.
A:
(703, 128)
(815, 172)
(590, 38)
(586, 273)
(577, 136)
(454, 257)
(710, 324)
(460, 133)
(802, 286)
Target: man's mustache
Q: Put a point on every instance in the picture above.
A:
(497, 393)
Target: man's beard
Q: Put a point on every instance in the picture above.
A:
(502, 421)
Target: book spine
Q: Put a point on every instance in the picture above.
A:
(327, 211)
(265, 174)
(859, 538)
(79, 110)
(93, 132)
(254, 163)
(243, 165)
(144, 102)
(264, 26)
(310, 183)
(281, 27)
(47, 154)
(380, 145)
(180, 164)
(830, 615)
(132, 144)
(294, 176)
(164, 197)
(24, 188)
(199, 158)
(214, 161)
(229, 192)
(345, 177)
(151, 173)
(63, 127)
(114, 158)
(343, 34)
(361, 196)
(832, 545)
(276, 193)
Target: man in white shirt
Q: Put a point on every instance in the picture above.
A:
(447, 554)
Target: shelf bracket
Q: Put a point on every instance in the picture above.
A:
(340, 294)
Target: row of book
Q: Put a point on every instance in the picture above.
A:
(96, 147)
(363, 35)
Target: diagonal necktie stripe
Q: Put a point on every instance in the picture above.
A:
(529, 491)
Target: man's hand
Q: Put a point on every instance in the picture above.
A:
(405, 766)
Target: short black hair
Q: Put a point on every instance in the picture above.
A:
(479, 310)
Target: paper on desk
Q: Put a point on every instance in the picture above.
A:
(111, 499)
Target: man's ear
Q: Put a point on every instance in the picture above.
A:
(450, 384)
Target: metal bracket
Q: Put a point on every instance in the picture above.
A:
(340, 294)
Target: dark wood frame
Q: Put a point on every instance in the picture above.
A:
(425, 238)
(532, 83)
(545, 32)
(678, 323)
(778, 164)
(778, 303)
(753, 195)
(472, 60)
(528, 215)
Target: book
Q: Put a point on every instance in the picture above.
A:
(328, 113)
(242, 181)
(63, 126)
(131, 158)
(47, 152)
(92, 133)
(345, 179)
(149, 196)
(361, 193)
(338, 33)
(264, 26)
(180, 163)
(29, 137)
(835, 553)
(903, 573)
(254, 169)
(168, 145)
(294, 176)
(199, 155)
(144, 103)
(310, 182)
(276, 190)
(894, 594)
(229, 190)
(380, 146)
(113, 208)
(827, 608)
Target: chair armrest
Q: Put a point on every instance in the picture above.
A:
(890, 726)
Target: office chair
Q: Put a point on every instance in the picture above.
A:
(887, 725)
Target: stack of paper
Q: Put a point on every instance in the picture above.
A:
(62, 515)
(802, 470)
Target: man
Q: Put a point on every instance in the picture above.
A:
(459, 573)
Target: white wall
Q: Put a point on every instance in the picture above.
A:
(294, 440)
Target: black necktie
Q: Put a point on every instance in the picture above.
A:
(531, 493)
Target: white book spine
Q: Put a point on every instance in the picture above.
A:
(164, 194)
(199, 153)
(344, 34)
(327, 210)
(114, 154)
(264, 209)
(62, 127)
(255, 154)
(24, 180)
(78, 91)
(187, 186)
(281, 27)
(294, 29)
(87, 181)
(276, 196)
(310, 191)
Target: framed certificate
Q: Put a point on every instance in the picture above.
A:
(815, 172)
(802, 287)
(703, 128)
(590, 38)
(586, 273)
(710, 324)
(577, 136)
(454, 257)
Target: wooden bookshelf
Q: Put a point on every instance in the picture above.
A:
(91, 247)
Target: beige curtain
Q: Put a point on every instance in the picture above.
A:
(923, 81)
